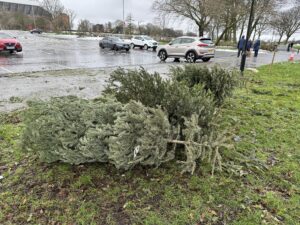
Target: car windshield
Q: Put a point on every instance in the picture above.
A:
(4, 36)
(116, 39)
(206, 41)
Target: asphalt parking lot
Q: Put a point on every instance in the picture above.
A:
(54, 65)
(53, 52)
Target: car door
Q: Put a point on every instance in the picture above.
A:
(173, 48)
(104, 42)
(140, 41)
(185, 45)
(110, 42)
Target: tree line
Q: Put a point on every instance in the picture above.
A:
(227, 20)
(131, 28)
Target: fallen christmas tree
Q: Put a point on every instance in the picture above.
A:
(141, 120)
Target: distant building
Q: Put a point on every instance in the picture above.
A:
(26, 7)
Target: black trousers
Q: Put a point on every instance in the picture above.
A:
(256, 53)
(239, 52)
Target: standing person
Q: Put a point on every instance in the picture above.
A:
(289, 47)
(249, 46)
(256, 47)
(240, 45)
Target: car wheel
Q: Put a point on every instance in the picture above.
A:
(163, 55)
(191, 57)
(132, 45)
(205, 59)
(146, 47)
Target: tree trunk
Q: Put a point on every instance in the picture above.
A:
(281, 35)
(213, 33)
(201, 30)
(234, 32)
(221, 36)
(287, 38)
(254, 35)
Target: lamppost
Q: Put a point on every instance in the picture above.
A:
(124, 18)
(33, 14)
(244, 56)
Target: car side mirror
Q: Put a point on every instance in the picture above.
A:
(170, 43)
(143, 40)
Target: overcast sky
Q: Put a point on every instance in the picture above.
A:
(101, 11)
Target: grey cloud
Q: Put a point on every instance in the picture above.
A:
(101, 11)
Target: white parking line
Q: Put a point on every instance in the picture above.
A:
(7, 70)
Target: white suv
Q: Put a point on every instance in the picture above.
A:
(144, 42)
(190, 48)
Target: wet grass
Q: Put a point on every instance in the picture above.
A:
(264, 116)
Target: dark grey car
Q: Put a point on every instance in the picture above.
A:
(114, 43)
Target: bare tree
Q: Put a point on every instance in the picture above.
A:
(84, 26)
(54, 7)
(227, 15)
(278, 24)
(292, 22)
(72, 17)
(286, 23)
(196, 10)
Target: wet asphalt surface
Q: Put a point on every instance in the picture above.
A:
(49, 52)
(53, 66)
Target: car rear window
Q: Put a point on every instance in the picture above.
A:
(206, 41)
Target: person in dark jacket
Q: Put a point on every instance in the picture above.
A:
(248, 48)
(240, 45)
(256, 47)
(249, 45)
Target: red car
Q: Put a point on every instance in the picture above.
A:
(10, 44)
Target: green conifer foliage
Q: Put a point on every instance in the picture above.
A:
(70, 129)
(175, 98)
(141, 136)
(217, 80)
(141, 120)
(139, 85)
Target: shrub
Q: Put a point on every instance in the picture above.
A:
(76, 131)
(175, 98)
(70, 129)
(140, 121)
(216, 80)
(141, 136)
(136, 85)
(268, 46)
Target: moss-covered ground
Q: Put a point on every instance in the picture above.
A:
(263, 187)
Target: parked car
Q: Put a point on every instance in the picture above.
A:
(36, 31)
(114, 43)
(190, 48)
(9, 43)
(144, 42)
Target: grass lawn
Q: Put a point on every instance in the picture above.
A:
(263, 187)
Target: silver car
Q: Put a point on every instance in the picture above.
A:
(190, 48)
